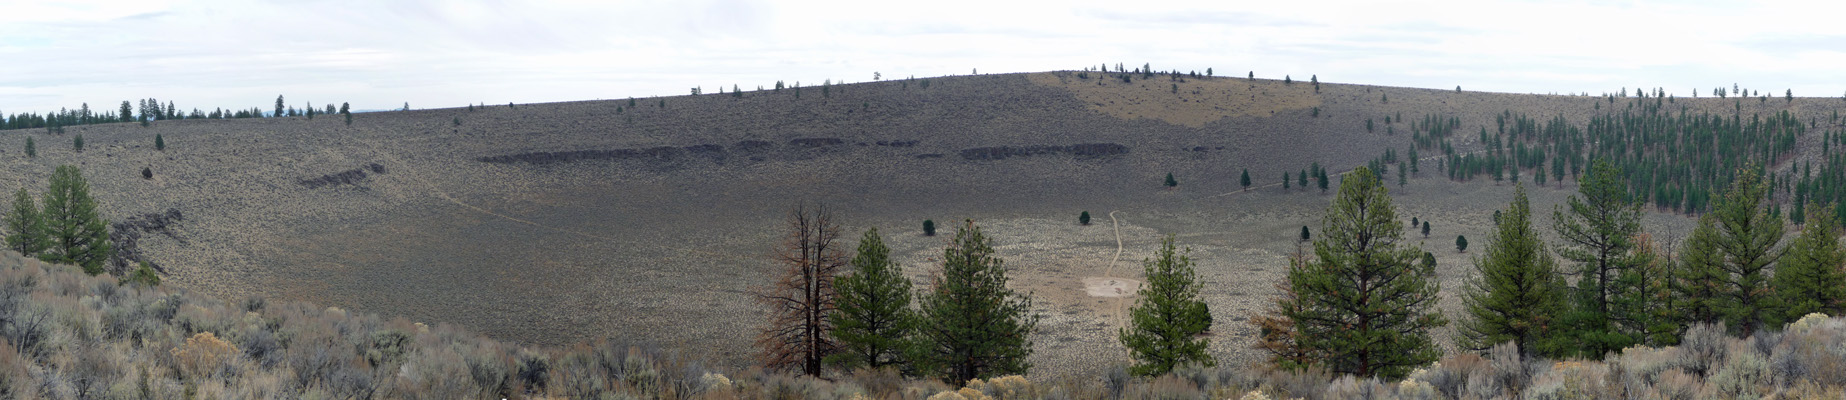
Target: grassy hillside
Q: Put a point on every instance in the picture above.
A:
(646, 221)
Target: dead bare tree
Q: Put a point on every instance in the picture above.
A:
(799, 334)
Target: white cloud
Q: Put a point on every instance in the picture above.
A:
(380, 54)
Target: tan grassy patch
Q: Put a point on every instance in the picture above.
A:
(1197, 102)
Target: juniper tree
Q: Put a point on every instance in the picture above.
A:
(1515, 293)
(973, 326)
(1084, 218)
(1598, 226)
(798, 335)
(1809, 278)
(1461, 243)
(1168, 317)
(929, 227)
(25, 226)
(1748, 240)
(873, 319)
(75, 233)
(1363, 301)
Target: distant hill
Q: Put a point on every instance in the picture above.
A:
(647, 220)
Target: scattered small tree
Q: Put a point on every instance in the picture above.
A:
(160, 143)
(1084, 218)
(1425, 229)
(31, 148)
(1170, 181)
(1168, 317)
(1316, 80)
(1461, 243)
(1245, 180)
(25, 226)
(1304, 233)
(929, 227)
(77, 143)
(279, 107)
(147, 173)
(143, 276)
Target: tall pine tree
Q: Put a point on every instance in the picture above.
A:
(1363, 301)
(1809, 277)
(1168, 317)
(1516, 293)
(1598, 227)
(1748, 239)
(973, 325)
(1698, 277)
(873, 320)
(76, 234)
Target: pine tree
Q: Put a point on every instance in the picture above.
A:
(128, 112)
(1245, 180)
(1168, 318)
(929, 227)
(1598, 232)
(1170, 181)
(160, 143)
(1321, 180)
(31, 148)
(279, 107)
(1748, 240)
(1646, 297)
(1301, 179)
(1461, 243)
(973, 326)
(1363, 301)
(76, 234)
(1698, 278)
(25, 226)
(798, 335)
(1809, 278)
(1305, 234)
(873, 321)
(1285, 180)
(1515, 293)
(1426, 228)
(77, 143)
(1084, 218)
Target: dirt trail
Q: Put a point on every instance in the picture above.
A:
(1121, 316)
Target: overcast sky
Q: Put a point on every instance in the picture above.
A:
(381, 54)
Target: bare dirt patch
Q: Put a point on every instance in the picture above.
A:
(1192, 102)
(1098, 286)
